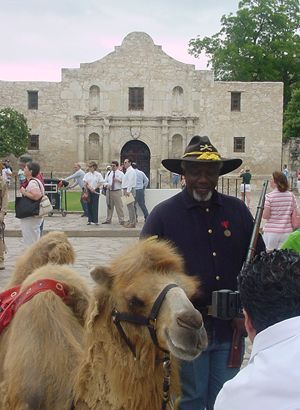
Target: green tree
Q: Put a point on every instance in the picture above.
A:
(260, 43)
(291, 128)
(13, 132)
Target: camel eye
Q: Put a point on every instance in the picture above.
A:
(135, 302)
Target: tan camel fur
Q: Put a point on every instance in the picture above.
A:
(46, 359)
(43, 345)
(51, 248)
(109, 377)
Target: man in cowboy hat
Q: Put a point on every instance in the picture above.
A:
(212, 231)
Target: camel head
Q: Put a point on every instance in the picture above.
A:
(133, 282)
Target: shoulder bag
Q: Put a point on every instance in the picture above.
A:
(45, 206)
(26, 207)
(45, 203)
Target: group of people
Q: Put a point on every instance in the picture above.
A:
(212, 232)
(121, 185)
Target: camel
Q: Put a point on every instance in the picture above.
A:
(53, 247)
(51, 360)
(22, 339)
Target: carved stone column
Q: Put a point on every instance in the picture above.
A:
(164, 139)
(106, 141)
(190, 132)
(81, 154)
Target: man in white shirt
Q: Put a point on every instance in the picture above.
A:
(142, 182)
(113, 184)
(77, 176)
(128, 186)
(270, 294)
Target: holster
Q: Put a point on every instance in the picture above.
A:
(236, 351)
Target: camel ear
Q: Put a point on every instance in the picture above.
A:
(102, 276)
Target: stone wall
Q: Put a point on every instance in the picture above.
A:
(86, 115)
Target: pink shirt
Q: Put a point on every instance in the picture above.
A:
(282, 205)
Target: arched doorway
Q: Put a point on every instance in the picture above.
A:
(139, 152)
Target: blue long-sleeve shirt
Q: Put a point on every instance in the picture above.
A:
(213, 240)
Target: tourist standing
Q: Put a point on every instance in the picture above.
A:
(31, 226)
(142, 182)
(128, 187)
(113, 184)
(280, 204)
(93, 180)
(78, 176)
(285, 171)
(245, 185)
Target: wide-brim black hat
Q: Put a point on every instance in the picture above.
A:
(200, 150)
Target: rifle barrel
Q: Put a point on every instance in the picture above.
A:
(257, 221)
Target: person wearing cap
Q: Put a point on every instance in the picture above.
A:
(212, 232)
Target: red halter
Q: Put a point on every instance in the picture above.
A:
(12, 299)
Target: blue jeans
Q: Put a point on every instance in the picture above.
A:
(140, 199)
(203, 378)
(92, 206)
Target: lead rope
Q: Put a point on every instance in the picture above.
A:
(166, 383)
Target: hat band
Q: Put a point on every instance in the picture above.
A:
(212, 156)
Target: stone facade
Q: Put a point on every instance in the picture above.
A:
(87, 116)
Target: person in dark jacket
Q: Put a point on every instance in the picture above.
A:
(212, 231)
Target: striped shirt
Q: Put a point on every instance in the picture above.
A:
(282, 205)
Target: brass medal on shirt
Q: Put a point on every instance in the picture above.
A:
(227, 233)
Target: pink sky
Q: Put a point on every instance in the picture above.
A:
(42, 71)
(39, 38)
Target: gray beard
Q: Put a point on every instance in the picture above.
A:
(202, 198)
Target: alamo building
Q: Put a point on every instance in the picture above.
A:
(139, 102)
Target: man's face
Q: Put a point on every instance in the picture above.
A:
(126, 163)
(201, 179)
(113, 167)
(76, 167)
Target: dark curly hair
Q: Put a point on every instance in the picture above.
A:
(270, 288)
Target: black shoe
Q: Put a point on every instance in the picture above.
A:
(84, 216)
(106, 222)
